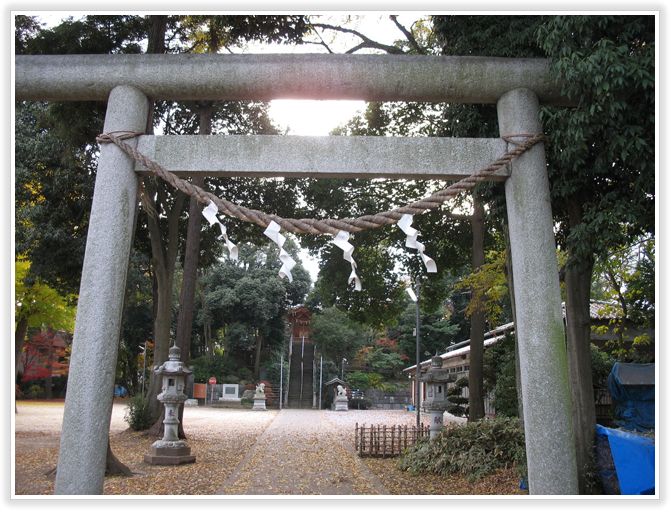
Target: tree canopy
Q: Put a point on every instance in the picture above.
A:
(247, 301)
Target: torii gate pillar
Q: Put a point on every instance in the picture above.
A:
(88, 407)
(547, 409)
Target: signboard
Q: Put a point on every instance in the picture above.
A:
(212, 381)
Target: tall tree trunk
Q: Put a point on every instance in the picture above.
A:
(48, 380)
(190, 269)
(164, 251)
(192, 252)
(478, 323)
(578, 327)
(19, 341)
(156, 44)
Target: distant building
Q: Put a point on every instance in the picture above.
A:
(457, 357)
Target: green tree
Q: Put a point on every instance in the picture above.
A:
(500, 376)
(600, 154)
(53, 189)
(601, 165)
(436, 333)
(335, 335)
(627, 279)
(137, 324)
(247, 300)
(490, 293)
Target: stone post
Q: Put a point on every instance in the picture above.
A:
(90, 389)
(550, 446)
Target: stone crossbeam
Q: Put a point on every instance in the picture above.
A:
(331, 156)
(265, 77)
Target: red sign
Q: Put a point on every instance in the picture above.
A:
(212, 381)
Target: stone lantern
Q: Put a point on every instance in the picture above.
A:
(436, 379)
(171, 450)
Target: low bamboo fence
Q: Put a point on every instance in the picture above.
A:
(387, 441)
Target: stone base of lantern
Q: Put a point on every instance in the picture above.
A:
(436, 422)
(341, 404)
(259, 404)
(169, 453)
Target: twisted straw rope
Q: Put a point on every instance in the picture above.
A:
(325, 226)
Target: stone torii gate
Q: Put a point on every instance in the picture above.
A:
(517, 86)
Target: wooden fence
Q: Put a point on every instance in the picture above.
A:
(386, 441)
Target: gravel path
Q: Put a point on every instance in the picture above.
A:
(238, 452)
(303, 452)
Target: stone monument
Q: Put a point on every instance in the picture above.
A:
(230, 393)
(171, 450)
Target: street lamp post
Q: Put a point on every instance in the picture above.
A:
(417, 298)
(144, 369)
(344, 360)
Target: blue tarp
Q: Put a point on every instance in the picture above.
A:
(634, 461)
(632, 386)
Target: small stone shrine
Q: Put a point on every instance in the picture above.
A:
(436, 379)
(171, 450)
(259, 398)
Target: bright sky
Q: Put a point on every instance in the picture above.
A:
(318, 118)
(311, 118)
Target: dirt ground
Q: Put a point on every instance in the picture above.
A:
(220, 439)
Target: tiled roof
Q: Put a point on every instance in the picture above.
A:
(598, 310)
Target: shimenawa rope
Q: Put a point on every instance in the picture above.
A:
(324, 226)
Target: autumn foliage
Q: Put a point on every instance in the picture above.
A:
(46, 354)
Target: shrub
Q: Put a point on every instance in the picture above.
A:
(475, 450)
(137, 415)
(219, 368)
(35, 390)
(365, 381)
(454, 395)
(244, 373)
(360, 403)
(500, 376)
(358, 380)
(376, 380)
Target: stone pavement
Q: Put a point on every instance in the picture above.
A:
(302, 453)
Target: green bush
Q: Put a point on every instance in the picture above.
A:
(460, 403)
(474, 449)
(244, 373)
(220, 367)
(360, 403)
(35, 390)
(376, 380)
(358, 380)
(137, 415)
(500, 376)
(367, 380)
